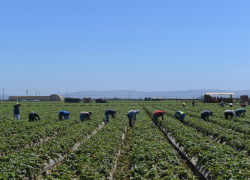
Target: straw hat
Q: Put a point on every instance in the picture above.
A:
(17, 104)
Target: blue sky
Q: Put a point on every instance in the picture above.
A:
(57, 46)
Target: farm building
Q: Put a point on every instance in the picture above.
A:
(53, 97)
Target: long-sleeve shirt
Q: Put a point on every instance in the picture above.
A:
(239, 111)
(160, 113)
(133, 113)
(179, 113)
(85, 115)
(34, 115)
(65, 114)
(16, 110)
(206, 113)
(110, 112)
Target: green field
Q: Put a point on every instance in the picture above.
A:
(71, 149)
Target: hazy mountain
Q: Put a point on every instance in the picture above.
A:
(138, 94)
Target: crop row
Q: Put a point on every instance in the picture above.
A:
(223, 161)
(152, 157)
(217, 111)
(95, 158)
(29, 161)
(34, 136)
(238, 126)
(236, 140)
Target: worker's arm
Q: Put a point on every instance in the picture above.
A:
(244, 113)
(38, 117)
(162, 116)
(113, 115)
(88, 117)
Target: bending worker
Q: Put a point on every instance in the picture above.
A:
(63, 113)
(205, 114)
(17, 111)
(229, 113)
(132, 114)
(33, 115)
(157, 114)
(109, 112)
(240, 111)
(180, 115)
(84, 115)
(183, 104)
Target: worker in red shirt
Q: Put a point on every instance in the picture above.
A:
(157, 114)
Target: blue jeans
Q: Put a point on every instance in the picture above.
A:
(130, 120)
(107, 116)
(81, 117)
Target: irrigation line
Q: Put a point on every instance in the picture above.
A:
(194, 161)
(52, 163)
(118, 155)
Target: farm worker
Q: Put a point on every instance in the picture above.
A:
(183, 104)
(231, 105)
(17, 111)
(240, 111)
(63, 113)
(205, 114)
(33, 115)
(157, 114)
(180, 115)
(86, 115)
(109, 112)
(193, 103)
(222, 103)
(132, 114)
(229, 113)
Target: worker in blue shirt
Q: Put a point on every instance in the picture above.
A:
(132, 115)
(63, 113)
(239, 112)
(180, 115)
(109, 112)
(205, 115)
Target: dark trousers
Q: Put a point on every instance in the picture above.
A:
(107, 116)
(60, 117)
(155, 119)
(204, 117)
(238, 114)
(182, 117)
(31, 118)
(130, 118)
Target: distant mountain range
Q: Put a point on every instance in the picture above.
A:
(137, 94)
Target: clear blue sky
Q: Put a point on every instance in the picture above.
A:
(57, 45)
